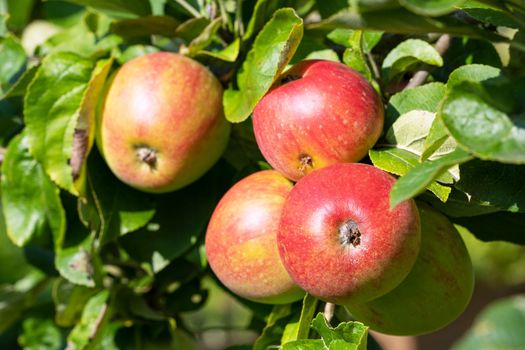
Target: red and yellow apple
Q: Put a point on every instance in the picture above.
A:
(338, 238)
(162, 125)
(241, 240)
(437, 290)
(320, 113)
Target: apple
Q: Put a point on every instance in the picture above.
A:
(241, 240)
(436, 291)
(338, 238)
(163, 124)
(319, 113)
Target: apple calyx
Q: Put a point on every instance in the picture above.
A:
(349, 233)
(147, 155)
(305, 162)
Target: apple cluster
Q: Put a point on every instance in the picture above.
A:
(320, 222)
(402, 270)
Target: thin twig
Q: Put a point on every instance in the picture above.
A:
(329, 310)
(421, 76)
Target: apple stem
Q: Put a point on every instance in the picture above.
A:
(349, 233)
(147, 155)
(329, 310)
(290, 77)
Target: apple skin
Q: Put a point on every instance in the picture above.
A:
(241, 240)
(339, 240)
(163, 124)
(328, 113)
(437, 290)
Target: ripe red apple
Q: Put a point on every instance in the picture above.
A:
(163, 125)
(241, 240)
(436, 291)
(338, 238)
(320, 113)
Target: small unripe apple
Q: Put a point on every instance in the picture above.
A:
(338, 238)
(319, 113)
(437, 290)
(163, 124)
(241, 240)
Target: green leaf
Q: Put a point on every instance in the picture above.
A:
(228, 54)
(496, 184)
(117, 8)
(487, 117)
(432, 7)
(145, 26)
(205, 38)
(31, 202)
(95, 316)
(40, 333)
(3, 24)
(498, 327)
(262, 12)
(410, 131)
(342, 36)
(423, 174)
(347, 335)
(489, 14)
(472, 73)
(74, 261)
(52, 107)
(19, 13)
(300, 327)
(19, 88)
(275, 325)
(191, 28)
(13, 58)
(400, 162)
(425, 98)
(78, 39)
(272, 50)
(437, 136)
(16, 298)
(397, 20)
(305, 344)
(119, 209)
(12, 305)
(69, 300)
(407, 54)
(354, 56)
(14, 265)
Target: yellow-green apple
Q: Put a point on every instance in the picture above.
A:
(338, 238)
(319, 113)
(163, 125)
(241, 240)
(437, 290)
